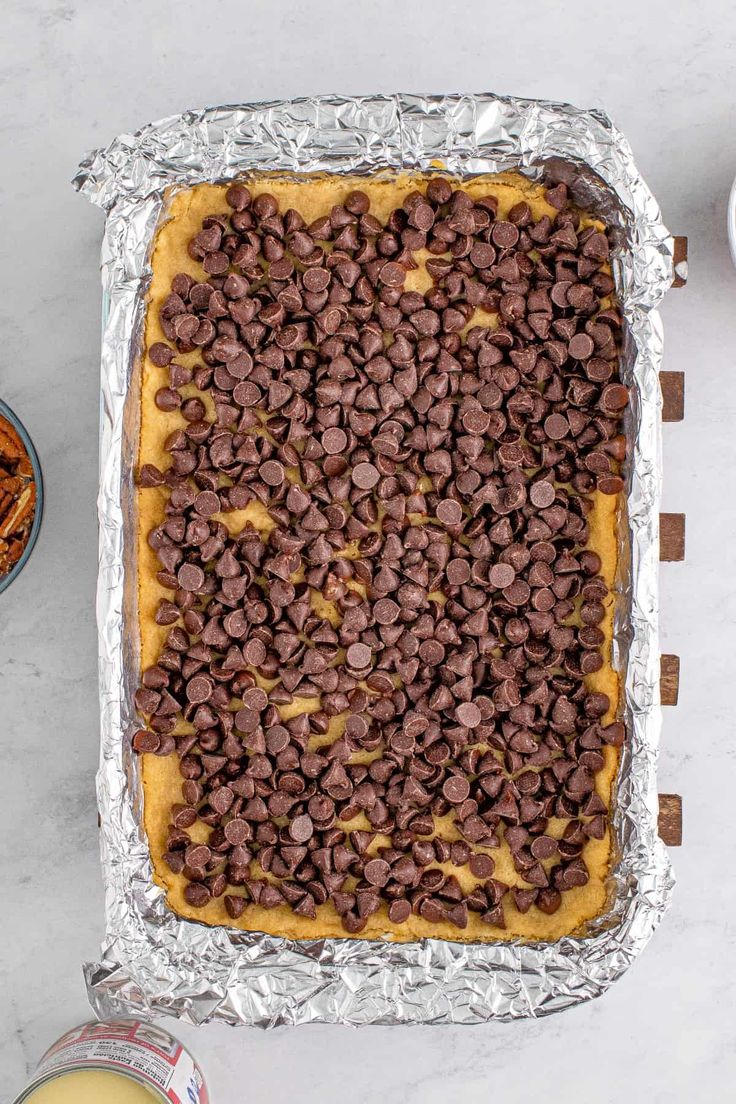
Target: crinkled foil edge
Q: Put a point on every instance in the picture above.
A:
(152, 962)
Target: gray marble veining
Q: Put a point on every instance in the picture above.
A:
(74, 75)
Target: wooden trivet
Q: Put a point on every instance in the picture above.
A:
(669, 821)
(671, 537)
(679, 261)
(672, 549)
(669, 679)
(673, 396)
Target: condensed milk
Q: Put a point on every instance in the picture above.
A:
(116, 1062)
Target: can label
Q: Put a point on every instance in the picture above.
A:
(146, 1053)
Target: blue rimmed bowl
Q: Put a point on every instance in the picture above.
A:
(7, 413)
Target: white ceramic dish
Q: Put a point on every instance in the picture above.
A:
(732, 221)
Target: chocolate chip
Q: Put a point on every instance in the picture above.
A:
(392, 274)
(235, 906)
(458, 572)
(548, 900)
(556, 427)
(377, 872)
(610, 484)
(386, 611)
(581, 345)
(200, 689)
(301, 829)
(468, 714)
(481, 866)
(191, 577)
(272, 473)
(365, 475)
(160, 354)
(456, 788)
(197, 894)
(254, 653)
(334, 441)
(399, 911)
(449, 512)
(237, 832)
(358, 655)
(167, 399)
(145, 741)
(501, 575)
(207, 503)
(542, 494)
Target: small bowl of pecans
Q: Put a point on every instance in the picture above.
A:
(21, 496)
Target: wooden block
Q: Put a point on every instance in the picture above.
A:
(673, 396)
(669, 679)
(669, 822)
(671, 537)
(679, 261)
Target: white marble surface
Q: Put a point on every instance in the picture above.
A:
(74, 74)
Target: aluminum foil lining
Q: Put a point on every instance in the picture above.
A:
(153, 962)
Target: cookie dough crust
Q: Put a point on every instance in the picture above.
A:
(313, 196)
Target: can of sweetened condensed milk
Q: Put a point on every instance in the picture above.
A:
(116, 1062)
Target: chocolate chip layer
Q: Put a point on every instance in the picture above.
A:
(424, 635)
